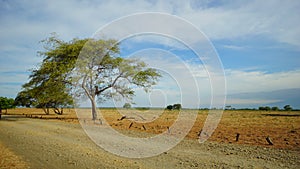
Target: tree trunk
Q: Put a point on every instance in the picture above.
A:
(46, 110)
(94, 109)
(57, 111)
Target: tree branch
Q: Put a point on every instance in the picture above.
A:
(85, 89)
(109, 86)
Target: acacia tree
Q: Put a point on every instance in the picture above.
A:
(49, 85)
(127, 106)
(102, 74)
(287, 108)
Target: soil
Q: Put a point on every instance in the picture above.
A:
(39, 143)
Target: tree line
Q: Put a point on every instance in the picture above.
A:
(275, 108)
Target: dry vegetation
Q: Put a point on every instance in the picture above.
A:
(253, 126)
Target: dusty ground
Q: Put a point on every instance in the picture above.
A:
(39, 143)
(9, 160)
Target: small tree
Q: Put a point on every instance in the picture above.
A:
(287, 108)
(170, 107)
(6, 103)
(177, 106)
(266, 108)
(275, 108)
(228, 107)
(127, 106)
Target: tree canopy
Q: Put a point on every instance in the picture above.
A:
(102, 74)
(288, 108)
(127, 106)
(49, 85)
(6, 103)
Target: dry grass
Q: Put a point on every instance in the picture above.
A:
(8, 160)
(253, 126)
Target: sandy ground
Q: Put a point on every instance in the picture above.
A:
(38, 143)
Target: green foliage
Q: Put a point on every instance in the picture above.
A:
(177, 106)
(174, 107)
(6, 103)
(266, 108)
(287, 108)
(24, 99)
(127, 106)
(170, 107)
(228, 107)
(49, 85)
(275, 108)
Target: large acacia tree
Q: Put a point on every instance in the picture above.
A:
(102, 74)
(85, 67)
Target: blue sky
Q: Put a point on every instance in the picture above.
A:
(258, 43)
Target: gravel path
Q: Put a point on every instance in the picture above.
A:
(57, 144)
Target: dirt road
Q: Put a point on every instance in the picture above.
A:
(58, 144)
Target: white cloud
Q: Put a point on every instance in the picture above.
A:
(234, 47)
(276, 20)
(257, 81)
(233, 19)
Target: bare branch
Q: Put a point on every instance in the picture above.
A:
(110, 85)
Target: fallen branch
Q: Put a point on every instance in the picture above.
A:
(269, 140)
(123, 117)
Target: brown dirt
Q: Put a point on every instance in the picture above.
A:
(253, 126)
(52, 143)
(9, 160)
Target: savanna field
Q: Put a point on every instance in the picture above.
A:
(253, 126)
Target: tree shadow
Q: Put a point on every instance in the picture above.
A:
(11, 117)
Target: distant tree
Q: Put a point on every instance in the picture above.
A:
(228, 107)
(177, 106)
(266, 108)
(6, 103)
(170, 107)
(127, 106)
(288, 108)
(275, 108)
